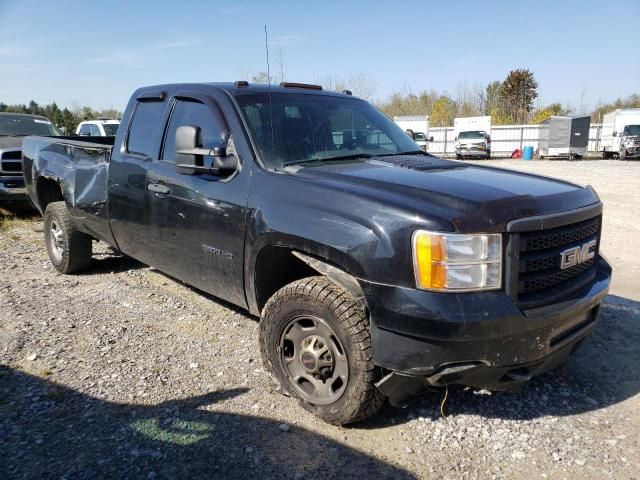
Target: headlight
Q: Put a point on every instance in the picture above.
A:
(457, 262)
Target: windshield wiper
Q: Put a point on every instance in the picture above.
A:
(328, 159)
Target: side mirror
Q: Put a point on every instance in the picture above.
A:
(615, 134)
(190, 156)
(411, 134)
(455, 139)
(431, 138)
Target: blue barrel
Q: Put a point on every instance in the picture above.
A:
(527, 153)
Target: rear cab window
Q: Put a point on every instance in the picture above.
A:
(144, 126)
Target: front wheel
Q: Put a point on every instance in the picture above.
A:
(623, 154)
(69, 249)
(315, 343)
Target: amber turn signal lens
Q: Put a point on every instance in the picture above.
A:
(429, 255)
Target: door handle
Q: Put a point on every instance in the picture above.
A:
(158, 188)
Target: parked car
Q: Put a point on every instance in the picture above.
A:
(13, 128)
(376, 269)
(621, 133)
(98, 128)
(472, 137)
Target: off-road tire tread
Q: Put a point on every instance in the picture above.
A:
(78, 245)
(364, 398)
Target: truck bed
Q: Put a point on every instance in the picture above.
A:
(79, 165)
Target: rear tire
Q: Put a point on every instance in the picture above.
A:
(69, 249)
(314, 315)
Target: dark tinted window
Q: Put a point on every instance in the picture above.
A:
(196, 114)
(290, 127)
(145, 123)
(110, 129)
(20, 126)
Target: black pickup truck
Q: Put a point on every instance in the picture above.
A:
(376, 269)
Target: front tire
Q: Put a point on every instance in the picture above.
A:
(69, 249)
(315, 343)
(623, 154)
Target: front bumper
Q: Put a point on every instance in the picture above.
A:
(477, 339)
(12, 188)
(472, 152)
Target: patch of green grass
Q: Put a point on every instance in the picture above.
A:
(178, 432)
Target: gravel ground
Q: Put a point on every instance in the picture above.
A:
(122, 372)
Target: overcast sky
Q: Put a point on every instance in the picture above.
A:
(97, 53)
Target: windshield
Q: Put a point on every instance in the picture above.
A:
(110, 129)
(21, 126)
(419, 136)
(319, 127)
(631, 130)
(472, 135)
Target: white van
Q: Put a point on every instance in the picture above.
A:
(417, 126)
(621, 133)
(472, 136)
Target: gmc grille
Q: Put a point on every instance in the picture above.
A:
(535, 258)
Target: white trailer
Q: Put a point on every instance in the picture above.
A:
(418, 125)
(472, 136)
(621, 133)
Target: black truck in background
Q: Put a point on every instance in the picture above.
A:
(13, 128)
(376, 269)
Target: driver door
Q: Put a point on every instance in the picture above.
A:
(197, 221)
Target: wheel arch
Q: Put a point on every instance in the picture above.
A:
(48, 190)
(279, 265)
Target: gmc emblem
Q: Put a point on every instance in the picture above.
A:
(576, 255)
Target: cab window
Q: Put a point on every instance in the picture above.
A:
(145, 123)
(196, 114)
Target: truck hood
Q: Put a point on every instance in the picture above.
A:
(11, 142)
(470, 197)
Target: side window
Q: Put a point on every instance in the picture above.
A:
(145, 123)
(84, 130)
(193, 113)
(94, 130)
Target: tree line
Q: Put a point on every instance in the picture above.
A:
(509, 101)
(66, 120)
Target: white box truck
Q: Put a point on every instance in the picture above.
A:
(621, 133)
(472, 136)
(417, 126)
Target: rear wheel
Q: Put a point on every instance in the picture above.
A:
(315, 343)
(69, 249)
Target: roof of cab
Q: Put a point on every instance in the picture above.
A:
(240, 88)
(28, 115)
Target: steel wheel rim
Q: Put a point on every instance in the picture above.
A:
(56, 239)
(314, 360)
